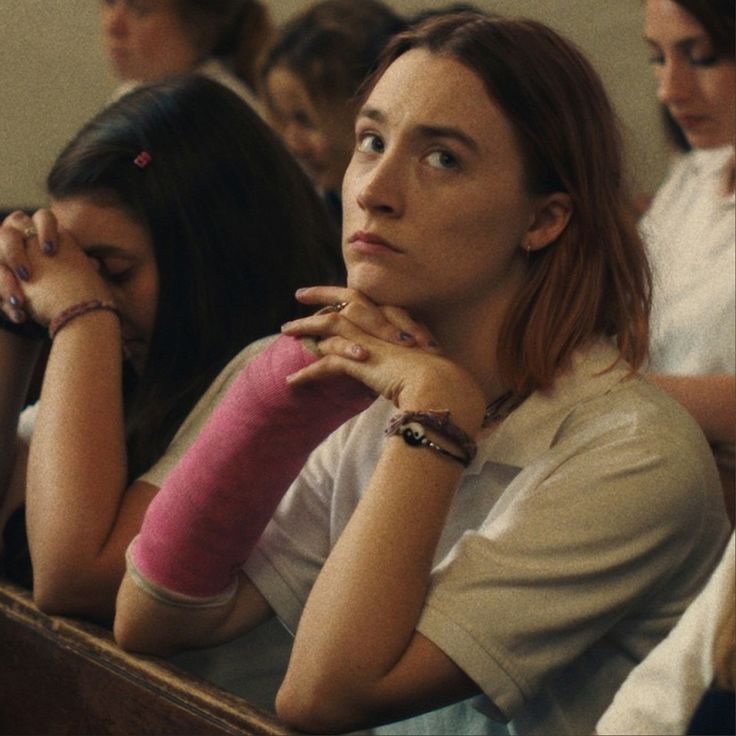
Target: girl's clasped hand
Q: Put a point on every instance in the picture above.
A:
(43, 271)
(382, 347)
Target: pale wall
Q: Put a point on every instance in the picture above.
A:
(53, 77)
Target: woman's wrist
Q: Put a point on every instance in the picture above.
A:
(459, 396)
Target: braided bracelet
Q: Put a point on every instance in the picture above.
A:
(70, 313)
(409, 426)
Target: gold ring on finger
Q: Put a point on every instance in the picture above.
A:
(29, 232)
(336, 307)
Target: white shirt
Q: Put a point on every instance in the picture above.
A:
(690, 231)
(660, 696)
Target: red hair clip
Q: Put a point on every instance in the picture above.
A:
(142, 159)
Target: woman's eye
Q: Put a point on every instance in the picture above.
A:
(658, 60)
(115, 273)
(704, 61)
(370, 143)
(443, 160)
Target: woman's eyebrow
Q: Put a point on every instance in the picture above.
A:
(448, 131)
(373, 113)
(426, 130)
(683, 44)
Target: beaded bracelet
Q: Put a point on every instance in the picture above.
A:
(409, 425)
(70, 313)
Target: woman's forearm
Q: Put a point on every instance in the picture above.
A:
(360, 618)
(77, 469)
(711, 399)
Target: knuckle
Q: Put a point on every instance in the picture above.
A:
(17, 217)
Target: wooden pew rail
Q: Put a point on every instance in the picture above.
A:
(63, 676)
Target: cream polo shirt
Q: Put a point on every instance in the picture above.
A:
(581, 531)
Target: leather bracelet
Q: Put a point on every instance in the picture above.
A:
(409, 425)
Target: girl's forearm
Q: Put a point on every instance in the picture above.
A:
(77, 464)
(361, 615)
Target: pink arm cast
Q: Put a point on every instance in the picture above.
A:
(211, 511)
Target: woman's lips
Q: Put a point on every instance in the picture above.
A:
(367, 242)
(690, 122)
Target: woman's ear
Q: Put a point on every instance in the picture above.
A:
(550, 217)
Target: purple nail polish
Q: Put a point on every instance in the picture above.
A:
(14, 301)
(47, 247)
(22, 273)
(356, 350)
(405, 336)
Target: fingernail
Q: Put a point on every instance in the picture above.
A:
(19, 316)
(405, 336)
(14, 301)
(357, 350)
(47, 247)
(285, 326)
(300, 291)
(22, 273)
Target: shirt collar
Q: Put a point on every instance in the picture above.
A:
(530, 430)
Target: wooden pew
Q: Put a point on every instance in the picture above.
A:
(63, 676)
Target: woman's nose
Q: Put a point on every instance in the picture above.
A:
(381, 189)
(673, 82)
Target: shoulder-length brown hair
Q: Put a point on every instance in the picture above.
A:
(594, 280)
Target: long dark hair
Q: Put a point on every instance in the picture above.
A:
(594, 280)
(717, 19)
(236, 228)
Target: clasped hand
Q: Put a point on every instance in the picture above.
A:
(43, 270)
(385, 349)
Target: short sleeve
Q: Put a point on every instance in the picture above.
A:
(313, 513)
(594, 529)
(296, 543)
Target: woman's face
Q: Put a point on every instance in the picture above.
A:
(123, 253)
(320, 139)
(698, 88)
(146, 39)
(434, 203)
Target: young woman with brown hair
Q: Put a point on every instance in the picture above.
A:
(519, 514)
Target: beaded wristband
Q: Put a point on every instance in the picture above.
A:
(77, 310)
(408, 425)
